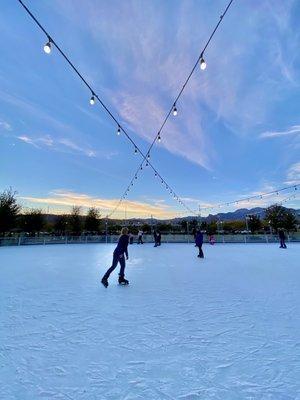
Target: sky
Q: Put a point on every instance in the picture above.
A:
(237, 132)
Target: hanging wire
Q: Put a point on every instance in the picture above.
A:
(258, 196)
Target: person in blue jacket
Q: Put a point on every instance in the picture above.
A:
(119, 257)
(199, 243)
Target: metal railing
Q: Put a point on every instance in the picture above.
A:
(168, 238)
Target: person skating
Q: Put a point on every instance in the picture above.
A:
(199, 243)
(155, 238)
(158, 239)
(212, 240)
(119, 257)
(140, 237)
(281, 235)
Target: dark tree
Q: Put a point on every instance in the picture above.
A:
(280, 217)
(254, 223)
(184, 225)
(33, 221)
(212, 228)
(92, 220)
(146, 228)
(193, 224)
(74, 221)
(164, 227)
(9, 210)
(290, 222)
(203, 226)
(61, 224)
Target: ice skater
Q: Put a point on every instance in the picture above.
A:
(212, 240)
(119, 257)
(140, 237)
(199, 243)
(281, 235)
(157, 238)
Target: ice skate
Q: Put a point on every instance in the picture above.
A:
(104, 282)
(123, 281)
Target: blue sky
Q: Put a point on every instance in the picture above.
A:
(237, 132)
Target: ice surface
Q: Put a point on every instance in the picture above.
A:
(226, 327)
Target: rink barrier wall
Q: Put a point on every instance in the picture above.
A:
(170, 238)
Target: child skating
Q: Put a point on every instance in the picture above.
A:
(119, 257)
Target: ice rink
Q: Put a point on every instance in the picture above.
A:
(225, 327)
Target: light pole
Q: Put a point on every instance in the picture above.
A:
(246, 218)
(271, 232)
(106, 230)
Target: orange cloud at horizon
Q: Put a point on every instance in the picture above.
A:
(64, 198)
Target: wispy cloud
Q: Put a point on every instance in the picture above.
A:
(74, 146)
(293, 130)
(60, 144)
(149, 68)
(5, 125)
(293, 174)
(61, 200)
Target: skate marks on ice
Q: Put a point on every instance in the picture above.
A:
(181, 330)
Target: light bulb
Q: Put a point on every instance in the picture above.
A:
(159, 138)
(175, 111)
(47, 47)
(202, 64)
(92, 100)
(135, 151)
(119, 131)
(148, 156)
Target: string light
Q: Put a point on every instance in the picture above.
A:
(47, 47)
(202, 63)
(92, 100)
(135, 150)
(148, 156)
(119, 130)
(159, 138)
(175, 112)
(260, 196)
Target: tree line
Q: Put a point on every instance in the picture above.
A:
(14, 220)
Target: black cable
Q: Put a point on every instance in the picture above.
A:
(257, 196)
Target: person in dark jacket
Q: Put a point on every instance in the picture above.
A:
(155, 238)
(119, 257)
(281, 235)
(158, 240)
(199, 243)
